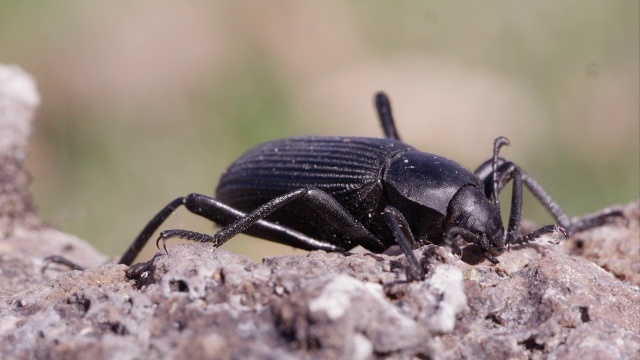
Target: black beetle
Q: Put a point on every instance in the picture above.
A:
(334, 193)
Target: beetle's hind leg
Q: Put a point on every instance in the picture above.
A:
(137, 245)
(327, 208)
(222, 214)
(383, 107)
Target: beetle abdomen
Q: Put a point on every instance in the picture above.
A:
(348, 168)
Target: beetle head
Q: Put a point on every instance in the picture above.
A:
(479, 220)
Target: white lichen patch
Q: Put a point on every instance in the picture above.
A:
(447, 281)
(336, 296)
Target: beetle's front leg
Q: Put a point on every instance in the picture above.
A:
(571, 226)
(509, 170)
(505, 172)
(496, 172)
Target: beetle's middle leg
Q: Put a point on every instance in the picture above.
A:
(510, 171)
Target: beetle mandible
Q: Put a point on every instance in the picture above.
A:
(334, 193)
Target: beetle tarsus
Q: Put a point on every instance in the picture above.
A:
(402, 233)
(536, 234)
(146, 233)
(55, 259)
(185, 235)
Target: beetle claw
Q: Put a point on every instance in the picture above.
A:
(162, 237)
(564, 232)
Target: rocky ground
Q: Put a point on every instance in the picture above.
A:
(576, 299)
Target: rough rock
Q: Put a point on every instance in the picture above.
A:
(579, 299)
(24, 239)
(612, 250)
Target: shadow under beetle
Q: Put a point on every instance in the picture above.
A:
(334, 193)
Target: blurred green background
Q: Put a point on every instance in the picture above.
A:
(147, 101)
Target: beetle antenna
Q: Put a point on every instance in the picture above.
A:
(497, 144)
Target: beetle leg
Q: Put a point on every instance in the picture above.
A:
(492, 259)
(253, 217)
(504, 174)
(401, 232)
(513, 231)
(537, 233)
(222, 214)
(504, 171)
(185, 235)
(545, 199)
(571, 226)
(55, 259)
(595, 220)
(383, 107)
(137, 245)
(326, 206)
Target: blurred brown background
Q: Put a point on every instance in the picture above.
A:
(147, 101)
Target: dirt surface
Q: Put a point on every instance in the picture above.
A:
(576, 299)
